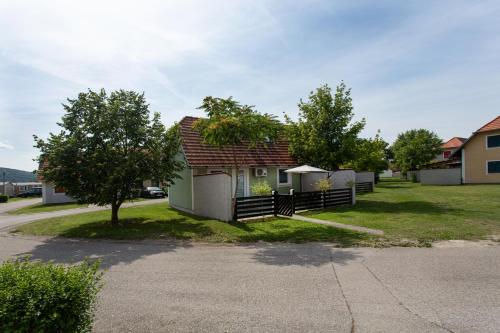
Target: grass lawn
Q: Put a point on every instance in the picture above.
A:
(424, 213)
(160, 221)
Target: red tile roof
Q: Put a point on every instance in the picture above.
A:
(454, 142)
(199, 154)
(491, 126)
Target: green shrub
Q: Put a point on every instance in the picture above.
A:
(46, 297)
(261, 188)
(4, 198)
(324, 184)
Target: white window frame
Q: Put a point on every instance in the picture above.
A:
(495, 173)
(289, 178)
(486, 142)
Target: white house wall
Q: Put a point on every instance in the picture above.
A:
(50, 197)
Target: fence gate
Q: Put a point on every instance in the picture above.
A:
(284, 204)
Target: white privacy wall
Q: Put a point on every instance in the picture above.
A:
(340, 179)
(212, 196)
(365, 177)
(441, 176)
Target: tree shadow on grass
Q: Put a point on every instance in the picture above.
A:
(99, 240)
(308, 255)
(138, 228)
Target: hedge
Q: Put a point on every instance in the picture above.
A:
(4, 198)
(47, 297)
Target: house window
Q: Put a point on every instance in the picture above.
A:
(493, 141)
(493, 167)
(59, 190)
(447, 154)
(284, 179)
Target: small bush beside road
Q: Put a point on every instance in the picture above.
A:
(46, 297)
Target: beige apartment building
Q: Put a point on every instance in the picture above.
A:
(480, 155)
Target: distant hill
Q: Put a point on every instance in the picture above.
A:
(16, 176)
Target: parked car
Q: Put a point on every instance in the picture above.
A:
(153, 192)
(34, 192)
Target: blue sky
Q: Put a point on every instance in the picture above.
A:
(410, 64)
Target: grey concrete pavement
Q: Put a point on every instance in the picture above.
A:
(9, 221)
(13, 205)
(158, 286)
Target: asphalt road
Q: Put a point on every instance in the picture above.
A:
(181, 287)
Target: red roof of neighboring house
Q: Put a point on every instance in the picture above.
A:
(454, 142)
(41, 166)
(199, 154)
(491, 126)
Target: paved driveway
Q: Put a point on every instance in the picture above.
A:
(12, 205)
(9, 221)
(180, 287)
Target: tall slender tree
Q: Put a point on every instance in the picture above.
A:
(325, 135)
(107, 145)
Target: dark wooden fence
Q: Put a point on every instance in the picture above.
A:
(364, 187)
(288, 204)
(254, 206)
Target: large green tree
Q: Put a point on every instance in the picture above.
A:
(325, 135)
(107, 145)
(371, 155)
(415, 148)
(230, 124)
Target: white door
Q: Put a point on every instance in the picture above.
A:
(240, 191)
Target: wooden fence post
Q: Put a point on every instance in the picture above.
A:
(323, 195)
(292, 195)
(275, 202)
(235, 213)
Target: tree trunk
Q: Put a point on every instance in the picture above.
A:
(114, 213)
(233, 203)
(237, 168)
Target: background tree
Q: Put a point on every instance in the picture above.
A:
(371, 155)
(108, 144)
(325, 135)
(415, 148)
(230, 124)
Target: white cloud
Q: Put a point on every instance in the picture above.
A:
(5, 146)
